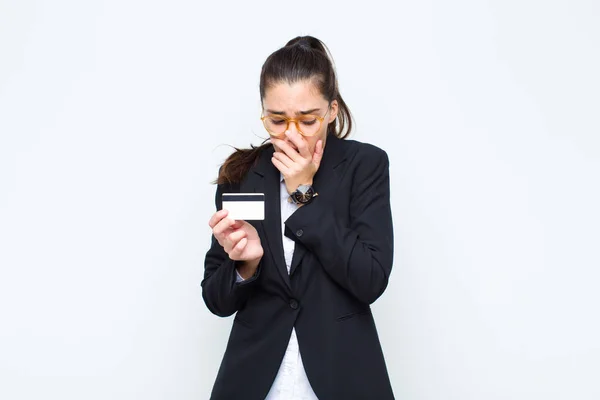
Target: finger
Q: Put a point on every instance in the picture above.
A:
(220, 230)
(237, 251)
(232, 239)
(236, 236)
(237, 224)
(318, 154)
(280, 166)
(285, 160)
(216, 217)
(300, 144)
(245, 226)
(287, 149)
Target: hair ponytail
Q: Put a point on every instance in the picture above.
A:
(238, 163)
(302, 58)
(343, 120)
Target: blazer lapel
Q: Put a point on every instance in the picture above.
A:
(269, 185)
(299, 252)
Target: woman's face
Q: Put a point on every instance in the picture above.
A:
(295, 100)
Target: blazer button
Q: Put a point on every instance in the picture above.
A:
(299, 232)
(294, 304)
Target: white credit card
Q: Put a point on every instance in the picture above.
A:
(245, 206)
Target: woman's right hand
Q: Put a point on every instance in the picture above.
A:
(239, 239)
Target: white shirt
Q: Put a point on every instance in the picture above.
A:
(291, 382)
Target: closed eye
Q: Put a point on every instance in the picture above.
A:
(276, 121)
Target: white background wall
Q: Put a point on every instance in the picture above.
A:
(114, 116)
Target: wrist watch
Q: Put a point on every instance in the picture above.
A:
(303, 195)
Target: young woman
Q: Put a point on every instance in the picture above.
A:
(302, 280)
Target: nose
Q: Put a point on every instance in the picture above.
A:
(292, 127)
(287, 140)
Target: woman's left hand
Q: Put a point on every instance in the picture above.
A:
(298, 167)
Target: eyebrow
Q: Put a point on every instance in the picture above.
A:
(311, 111)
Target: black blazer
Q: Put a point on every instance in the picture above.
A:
(341, 264)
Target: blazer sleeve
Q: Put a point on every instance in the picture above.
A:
(358, 253)
(223, 294)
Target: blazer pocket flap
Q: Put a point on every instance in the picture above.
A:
(351, 314)
(241, 321)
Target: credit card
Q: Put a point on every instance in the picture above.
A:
(245, 206)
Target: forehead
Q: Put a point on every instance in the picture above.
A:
(292, 97)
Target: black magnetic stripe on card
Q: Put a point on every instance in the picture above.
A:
(243, 197)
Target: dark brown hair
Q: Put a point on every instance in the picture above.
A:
(302, 58)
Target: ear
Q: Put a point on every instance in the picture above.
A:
(334, 111)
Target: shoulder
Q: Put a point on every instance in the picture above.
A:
(361, 152)
(367, 172)
(238, 165)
